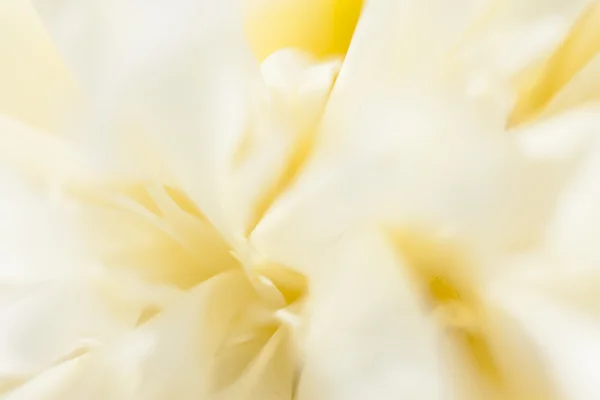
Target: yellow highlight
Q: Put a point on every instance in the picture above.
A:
(580, 46)
(322, 27)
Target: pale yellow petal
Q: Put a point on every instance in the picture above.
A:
(48, 384)
(577, 219)
(85, 33)
(141, 228)
(368, 335)
(35, 86)
(47, 159)
(458, 172)
(566, 339)
(321, 27)
(169, 357)
(50, 322)
(233, 138)
(579, 47)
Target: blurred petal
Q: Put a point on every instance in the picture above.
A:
(421, 146)
(46, 159)
(35, 86)
(146, 229)
(322, 28)
(458, 172)
(367, 336)
(53, 321)
(568, 341)
(577, 221)
(187, 90)
(85, 32)
(169, 357)
(579, 47)
(48, 383)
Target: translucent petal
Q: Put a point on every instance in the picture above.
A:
(48, 160)
(141, 228)
(578, 48)
(575, 227)
(35, 86)
(368, 336)
(85, 33)
(53, 321)
(232, 141)
(566, 339)
(170, 357)
(458, 173)
(47, 383)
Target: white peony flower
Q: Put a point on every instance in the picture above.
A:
(220, 200)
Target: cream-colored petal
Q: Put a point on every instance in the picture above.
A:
(509, 43)
(35, 86)
(488, 47)
(86, 33)
(47, 384)
(48, 160)
(567, 339)
(55, 301)
(170, 357)
(416, 140)
(368, 335)
(573, 234)
(232, 138)
(53, 321)
(271, 375)
(275, 148)
(579, 46)
(35, 218)
(177, 94)
(425, 157)
(142, 229)
(581, 91)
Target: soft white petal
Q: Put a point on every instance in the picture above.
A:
(575, 230)
(175, 101)
(228, 136)
(567, 340)
(35, 86)
(367, 335)
(170, 357)
(421, 158)
(47, 383)
(35, 154)
(85, 32)
(52, 321)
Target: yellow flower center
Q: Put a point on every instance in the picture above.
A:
(321, 27)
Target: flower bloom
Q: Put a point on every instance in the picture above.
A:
(317, 199)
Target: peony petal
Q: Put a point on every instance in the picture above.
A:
(169, 357)
(172, 90)
(142, 229)
(458, 172)
(85, 32)
(579, 47)
(48, 383)
(46, 159)
(186, 89)
(35, 86)
(575, 227)
(53, 321)
(367, 335)
(567, 340)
